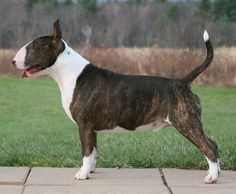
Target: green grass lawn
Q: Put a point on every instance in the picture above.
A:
(35, 131)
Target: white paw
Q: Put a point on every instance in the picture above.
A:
(211, 178)
(213, 172)
(81, 175)
(89, 163)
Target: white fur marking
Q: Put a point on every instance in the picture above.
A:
(65, 72)
(205, 36)
(89, 163)
(168, 120)
(213, 172)
(20, 57)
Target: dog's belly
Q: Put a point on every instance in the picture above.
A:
(156, 126)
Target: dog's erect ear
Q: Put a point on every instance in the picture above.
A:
(56, 34)
(58, 45)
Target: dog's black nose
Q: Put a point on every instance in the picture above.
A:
(13, 62)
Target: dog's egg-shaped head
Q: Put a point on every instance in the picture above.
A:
(40, 53)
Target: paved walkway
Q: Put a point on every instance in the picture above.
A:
(23, 180)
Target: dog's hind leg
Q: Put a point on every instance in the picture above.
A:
(191, 128)
(88, 142)
(214, 166)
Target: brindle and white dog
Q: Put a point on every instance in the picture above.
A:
(98, 99)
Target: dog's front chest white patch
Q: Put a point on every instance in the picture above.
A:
(65, 72)
(67, 97)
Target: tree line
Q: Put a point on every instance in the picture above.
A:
(140, 23)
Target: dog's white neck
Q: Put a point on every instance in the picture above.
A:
(65, 72)
(67, 67)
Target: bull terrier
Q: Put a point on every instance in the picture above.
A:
(98, 99)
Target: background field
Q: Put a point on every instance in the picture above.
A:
(168, 62)
(34, 131)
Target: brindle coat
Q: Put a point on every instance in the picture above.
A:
(103, 99)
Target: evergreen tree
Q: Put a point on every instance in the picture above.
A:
(173, 12)
(204, 6)
(135, 1)
(159, 1)
(225, 9)
(89, 6)
(68, 2)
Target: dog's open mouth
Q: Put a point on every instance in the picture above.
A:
(30, 71)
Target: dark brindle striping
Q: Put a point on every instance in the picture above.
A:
(104, 99)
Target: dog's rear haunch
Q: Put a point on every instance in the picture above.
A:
(98, 99)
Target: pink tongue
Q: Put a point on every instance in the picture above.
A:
(25, 74)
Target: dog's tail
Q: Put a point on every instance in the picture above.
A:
(210, 53)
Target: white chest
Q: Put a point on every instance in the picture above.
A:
(67, 97)
(65, 72)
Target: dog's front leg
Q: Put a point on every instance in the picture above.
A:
(88, 142)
